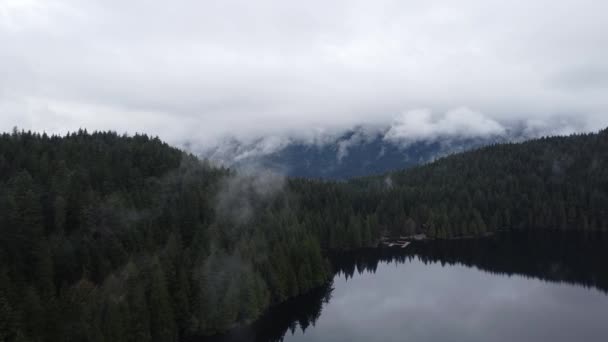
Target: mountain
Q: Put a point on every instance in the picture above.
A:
(355, 153)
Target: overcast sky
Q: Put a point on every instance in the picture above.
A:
(198, 70)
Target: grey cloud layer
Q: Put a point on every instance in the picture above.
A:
(198, 70)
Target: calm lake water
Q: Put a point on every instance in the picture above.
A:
(512, 287)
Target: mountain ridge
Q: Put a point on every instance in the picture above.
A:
(357, 152)
(351, 154)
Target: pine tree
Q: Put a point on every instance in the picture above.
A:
(162, 321)
(8, 319)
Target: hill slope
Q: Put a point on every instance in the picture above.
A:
(553, 183)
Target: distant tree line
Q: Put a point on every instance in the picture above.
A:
(123, 238)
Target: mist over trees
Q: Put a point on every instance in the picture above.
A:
(107, 237)
(124, 238)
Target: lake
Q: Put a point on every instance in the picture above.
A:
(511, 287)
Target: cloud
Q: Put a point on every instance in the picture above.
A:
(231, 150)
(584, 78)
(344, 145)
(421, 124)
(359, 135)
(196, 71)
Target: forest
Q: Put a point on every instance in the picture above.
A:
(108, 237)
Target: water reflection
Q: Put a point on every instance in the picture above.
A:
(574, 258)
(467, 290)
(287, 318)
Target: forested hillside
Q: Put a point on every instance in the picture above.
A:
(548, 183)
(124, 238)
(112, 238)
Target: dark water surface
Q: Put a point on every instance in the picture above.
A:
(512, 287)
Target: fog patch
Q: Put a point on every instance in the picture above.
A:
(242, 193)
(388, 182)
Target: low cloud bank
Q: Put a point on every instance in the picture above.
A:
(412, 126)
(423, 124)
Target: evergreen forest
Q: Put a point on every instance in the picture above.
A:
(108, 237)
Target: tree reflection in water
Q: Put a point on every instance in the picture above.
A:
(567, 257)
